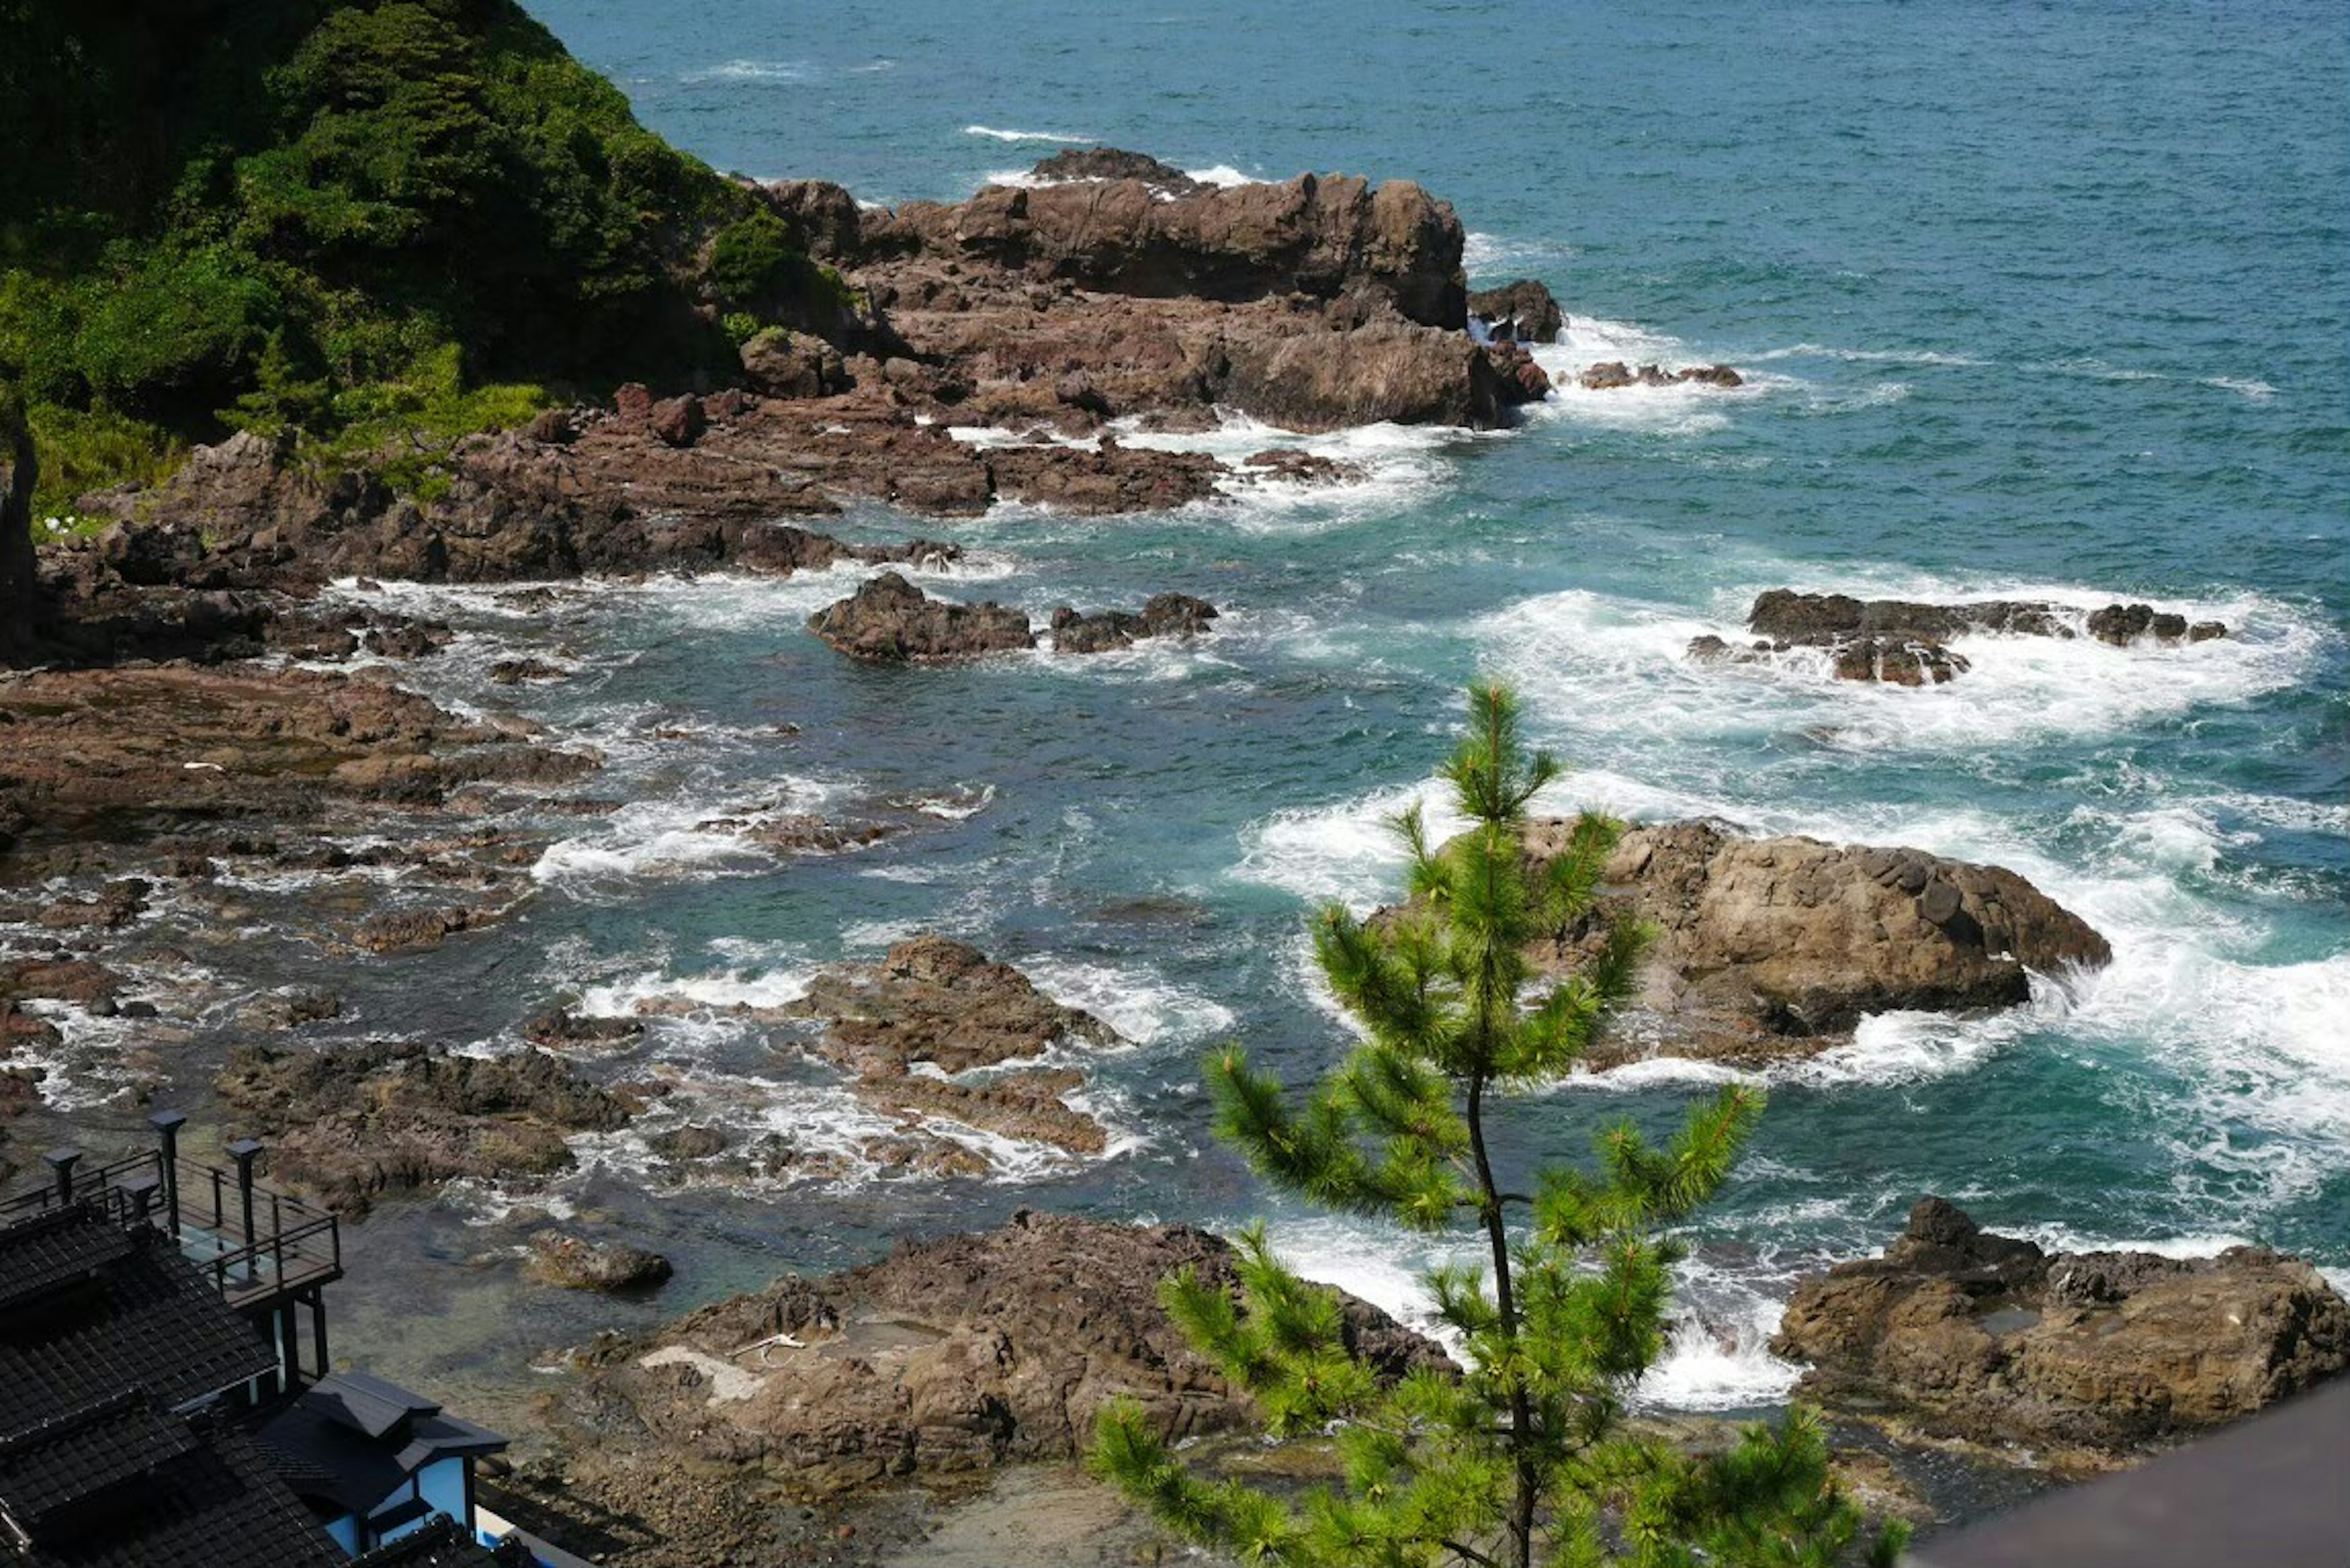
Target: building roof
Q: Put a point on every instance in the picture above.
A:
(115, 1490)
(353, 1439)
(440, 1544)
(92, 1308)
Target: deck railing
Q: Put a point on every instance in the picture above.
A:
(251, 1242)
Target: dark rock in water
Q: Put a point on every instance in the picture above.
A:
(1901, 641)
(1166, 615)
(935, 1001)
(1954, 1333)
(1612, 375)
(957, 1355)
(349, 1123)
(1523, 312)
(690, 1143)
(1108, 163)
(410, 931)
(569, 1263)
(408, 639)
(1297, 467)
(560, 1026)
(515, 671)
(1771, 948)
(290, 1008)
(888, 620)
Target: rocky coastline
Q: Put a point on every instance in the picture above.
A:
(189, 708)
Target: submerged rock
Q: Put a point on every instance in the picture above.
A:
(940, 1002)
(1612, 375)
(1166, 615)
(956, 1355)
(1903, 641)
(1776, 946)
(889, 622)
(1956, 1332)
(571, 1263)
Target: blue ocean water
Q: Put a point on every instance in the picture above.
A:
(2033, 299)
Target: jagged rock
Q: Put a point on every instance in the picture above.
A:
(935, 1001)
(1612, 375)
(889, 621)
(1522, 312)
(1077, 163)
(560, 1026)
(688, 1143)
(1903, 642)
(1777, 947)
(1165, 615)
(410, 931)
(1384, 370)
(290, 1008)
(633, 401)
(801, 833)
(349, 1123)
(1957, 1333)
(571, 1263)
(1111, 480)
(952, 1355)
(1296, 467)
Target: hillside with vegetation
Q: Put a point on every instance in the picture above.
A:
(369, 222)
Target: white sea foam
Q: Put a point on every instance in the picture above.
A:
(765, 985)
(1346, 851)
(997, 135)
(755, 71)
(1866, 356)
(673, 837)
(1144, 1007)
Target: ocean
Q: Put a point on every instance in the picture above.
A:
(2033, 300)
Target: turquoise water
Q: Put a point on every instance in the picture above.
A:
(2034, 299)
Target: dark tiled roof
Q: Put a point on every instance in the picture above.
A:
(47, 1470)
(217, 1505)
(443, 1543)
(53, 1252)
(318, 1433)
(137, 1316)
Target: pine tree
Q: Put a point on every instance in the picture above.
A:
(1523, 1456)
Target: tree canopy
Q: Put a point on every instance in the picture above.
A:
(1523, 1456)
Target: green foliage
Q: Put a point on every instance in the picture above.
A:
(353, 218)
(740, 327)
(1523, 1458)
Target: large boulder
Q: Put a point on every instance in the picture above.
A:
(1077, 163)
(1383, 371)
(348, 1123)
(1777, 947)
(952, 1355)
(889, 622)
(1954, 1333)
(940, 1002)
(571, 1263)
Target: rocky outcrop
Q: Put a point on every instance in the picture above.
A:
(1521, 312)
(350, 1123)
(19, 474)
(889, 622)
(942, 1002)
(950, 1356)
(1079, 163)
(1905, 642)
(1613, 375)
(1955, 1333)
(1318, 236)
(1164, 615)
(574, 1263)
(1770, 948)
(141, 750)
(1378, 372)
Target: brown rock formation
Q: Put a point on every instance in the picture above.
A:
(952, 1355)
(351, 1123)
(1523, 312)
(1776, 946)
(574, 1263)
(889, 622)
(1165, 615)
(1903, 642)
(1955, 1333)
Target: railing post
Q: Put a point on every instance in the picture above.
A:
(167, 1125)
(62, 1161)
(245, 1151)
